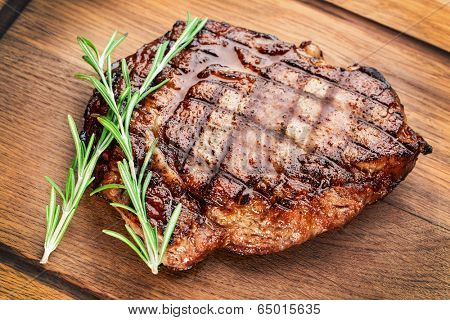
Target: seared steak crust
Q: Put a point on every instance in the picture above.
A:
(263, 143)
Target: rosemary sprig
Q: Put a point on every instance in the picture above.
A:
(116, 126)
(79, 177)
(136, 179)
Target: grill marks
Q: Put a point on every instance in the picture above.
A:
(386, 120)
(211, 146)
(184, 126)
(235, 119)
(360, 79)
(257, 155)
(386, 117)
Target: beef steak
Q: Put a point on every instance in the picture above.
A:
(263, 143)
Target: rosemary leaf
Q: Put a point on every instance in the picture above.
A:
(126, 241)
(124, 95)
(169, 230)
(54, 185)
(113, 44)
(70, 183)
(112, 128)
(123, 206)
(138, 241)
(76, 141)
(125, 73)
(147, 160)
(106, 187)
(87, 152)
(154, 88)
(129, 110)
(89, 44)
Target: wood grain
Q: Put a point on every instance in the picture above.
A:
(425, 20)
(397, 248)
(16, 285)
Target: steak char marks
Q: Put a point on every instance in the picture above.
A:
(263, 143)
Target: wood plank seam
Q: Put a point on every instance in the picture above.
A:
(416, 215)
(15, 285)
(15, 260)
(424, 20)
(10, 11)
(334, 10)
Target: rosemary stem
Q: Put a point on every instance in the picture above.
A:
(69, 208)
(153, 268)
(141, 211)
(51, 245)
(46, 255)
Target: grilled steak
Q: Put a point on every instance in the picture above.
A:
(263, 143)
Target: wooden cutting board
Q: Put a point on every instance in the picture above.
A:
(397, 248)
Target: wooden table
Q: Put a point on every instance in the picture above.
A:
(397, 248)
